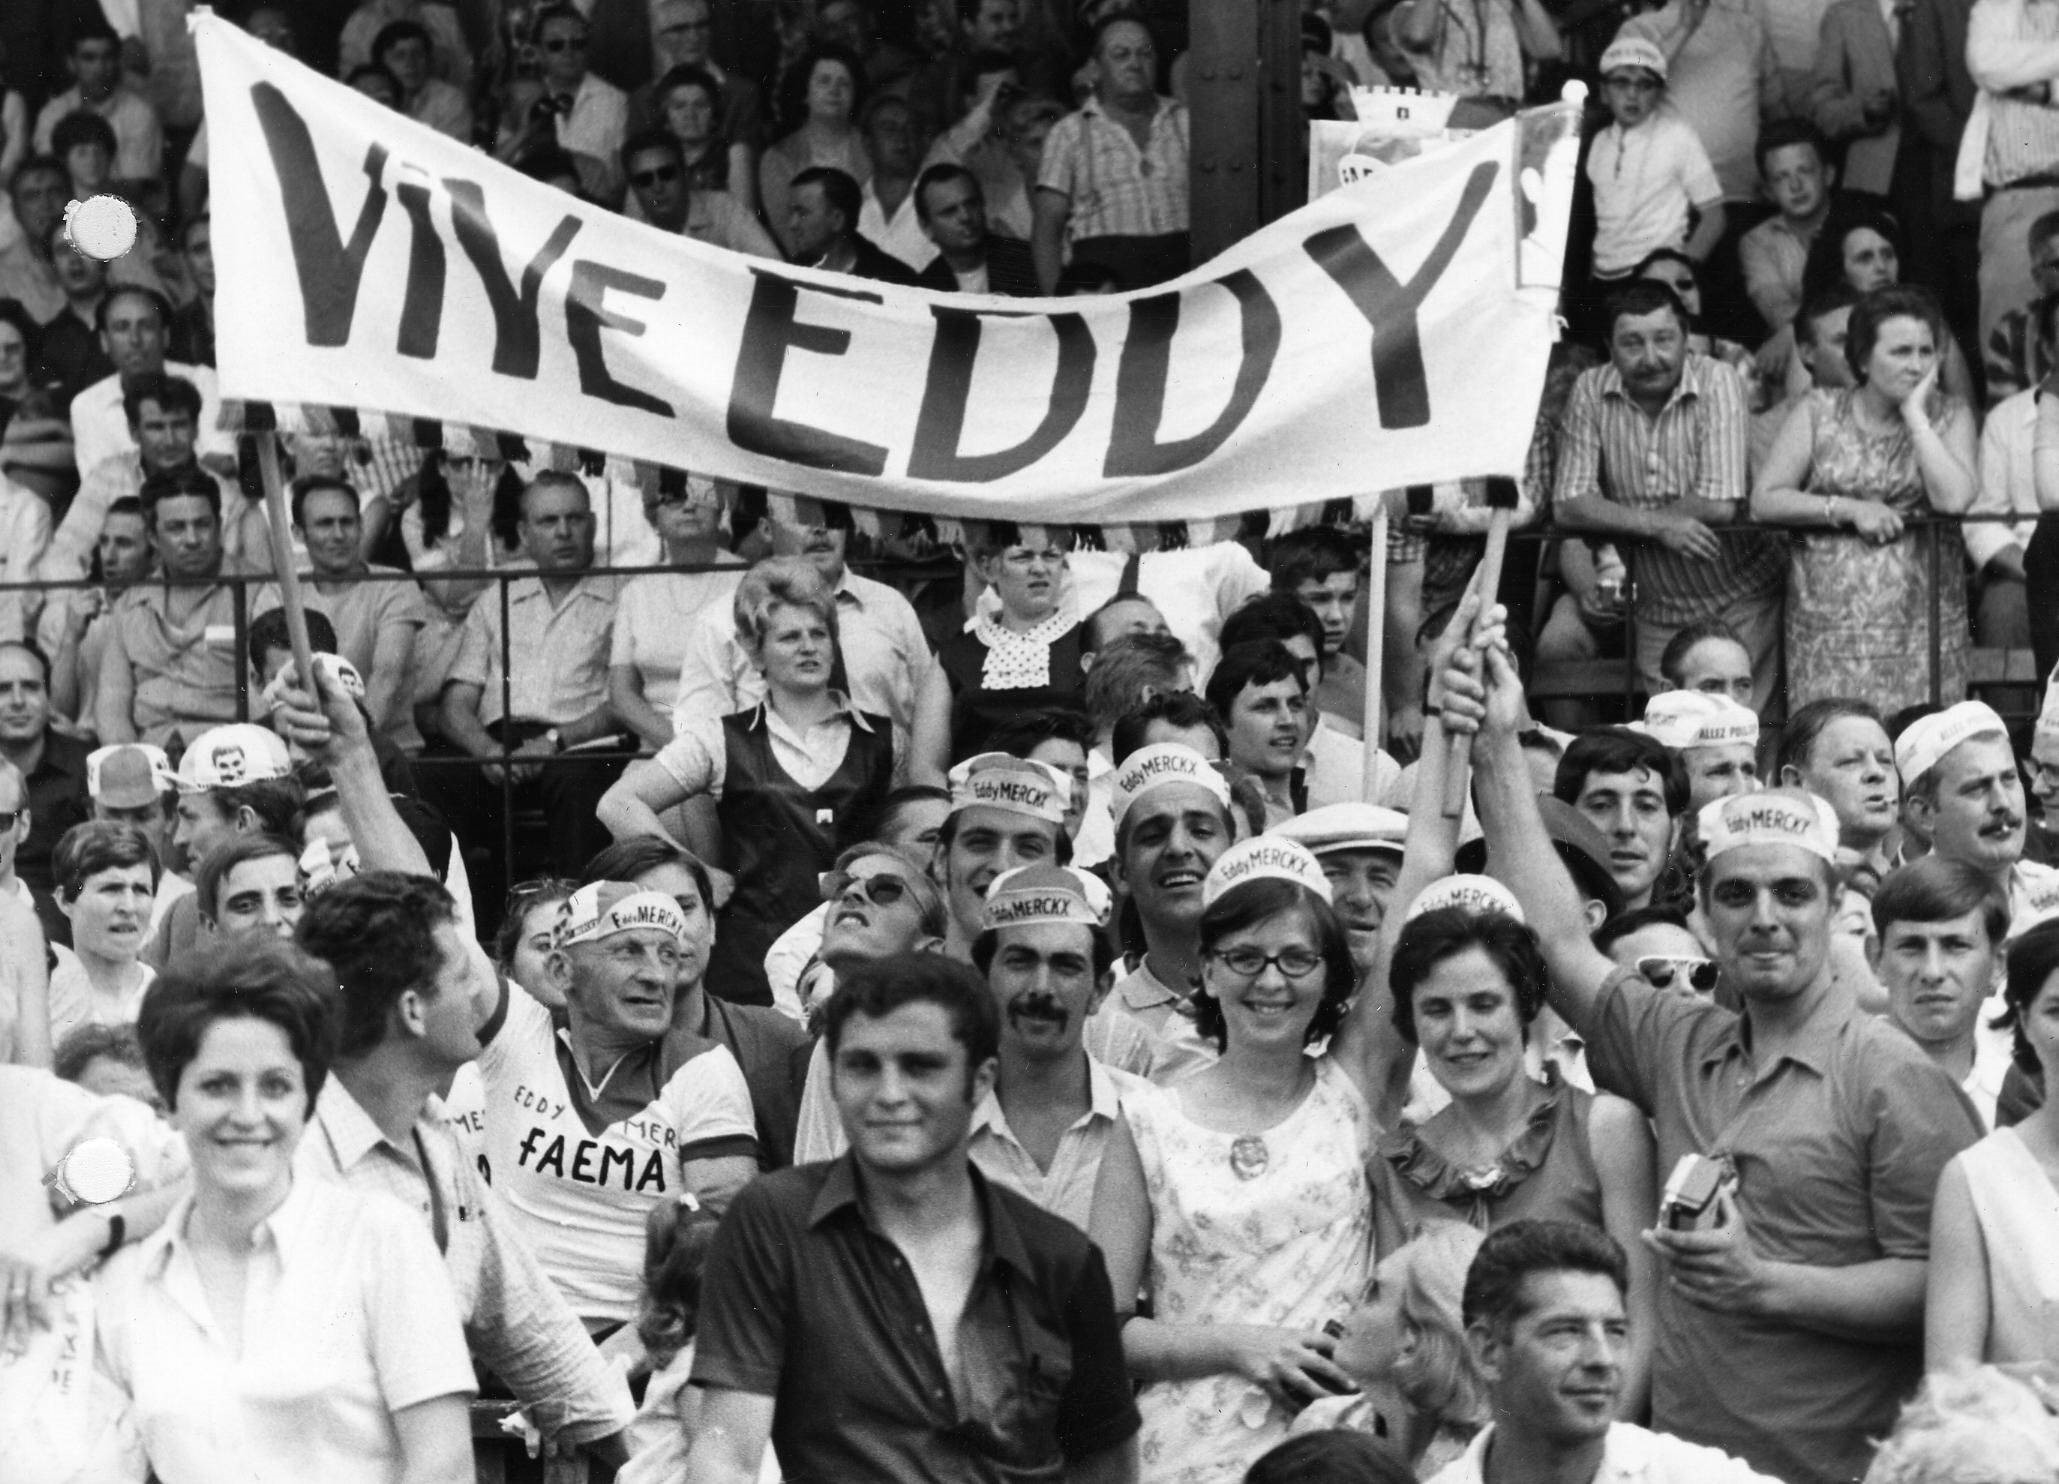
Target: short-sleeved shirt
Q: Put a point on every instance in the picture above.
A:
(655, 614)
(1837, 1147)
(560, 651)
(1116, 189)
(580, 1167)
(100, 428)
(184, 670)
(361, 612)
(1644, 181)
(805, 1300)
(57, 801)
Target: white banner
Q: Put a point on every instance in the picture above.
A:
(1377, 338)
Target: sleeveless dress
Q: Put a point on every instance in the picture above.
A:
(2018, 1210)
(1546, 1173)
(985, 695)
(1858, 615)
(1288, 1244)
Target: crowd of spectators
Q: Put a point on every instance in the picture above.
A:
(752, 999)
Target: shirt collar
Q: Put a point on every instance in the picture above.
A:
(1811, 1046)
(285, 1230)
(1002, 1242)
(1104, 1101)
(1092, 105)
(1692, 375)
(350, 1130)
(1143, 989)
(845, 711)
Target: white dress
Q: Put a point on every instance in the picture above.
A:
(2018, 1211)
(1289, 1245)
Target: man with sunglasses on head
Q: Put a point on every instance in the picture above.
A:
(591, 114)
(1657, 945)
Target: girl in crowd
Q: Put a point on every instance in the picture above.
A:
(275, 1327)
(820, 99)
(1025, 658)
(524, 940)
(106, 879)
(689, 106)
(1862, 246)
(655, 612)
(1406, 1344)
(1848, 468)
(787, 775)
(1994, 1271)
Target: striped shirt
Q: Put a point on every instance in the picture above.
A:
(1694, 449)
(1117, 189)
(2014, 358)
(2005, 36)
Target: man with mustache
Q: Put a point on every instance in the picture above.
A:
(1962, 797)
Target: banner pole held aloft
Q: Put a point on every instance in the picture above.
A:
(1457, 771)
(278, 519)
(1376, 641)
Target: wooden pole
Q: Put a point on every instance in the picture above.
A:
(1376, 640)
(279, 520)
(1457, 774)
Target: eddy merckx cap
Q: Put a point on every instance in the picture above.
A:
(1778, 816)
(1000, 780)
(129, 775)
(1348, 826)
(1478, 895)
(1160, 764)
(605, 908)
(1030, 894)
(1926, 740)
(1690, 718)
(1259, 858)
(231, 756)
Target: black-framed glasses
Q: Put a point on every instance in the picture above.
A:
(1659, 970)
(1249, 963)
(643, 180)
(882, 890)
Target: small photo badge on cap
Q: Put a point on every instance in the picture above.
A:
(1478, 895)
(1780, 816)
(335, 666)
(1926, 740)
(321, 867)
(1160, 764)
(128, 775)
(231, 756)
(605, 908)
(999, 780)
(1681, 719)
(1259, 858)
(1030, 894)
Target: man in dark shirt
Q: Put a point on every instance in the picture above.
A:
(822, 224)
(892, 1314)
(970, 258)
(52, 764)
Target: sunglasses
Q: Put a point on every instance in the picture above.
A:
(566, 44)
(883, 890)
(645, 179)
(1659, 970)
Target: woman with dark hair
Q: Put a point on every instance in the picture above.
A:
(1680, 273)
(1994, 1269)
(676, 1240)
(818, 107)
(275, 1327)
(688, 103)
(1861, 247)
(527, 923)
(1849, 468)
(21, 345)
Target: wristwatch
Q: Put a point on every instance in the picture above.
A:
(94, 1172)
(552, 736)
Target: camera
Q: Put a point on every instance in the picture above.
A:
(1689, 1202)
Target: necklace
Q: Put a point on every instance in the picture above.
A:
(1249, 1156)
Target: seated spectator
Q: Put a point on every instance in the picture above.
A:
(591, 114)
(39, 193)
(1821, 330)
(657, 610)
(1545, 1317)
(1941, 927)
(1655, 452)
(818, 104)
(1112, 180)
(85, 143)
(1858, 605)
(134, 324)
(581, 1172)
(2018, 353)
(1481, 55)
(1260, 692)
(1839, 751)
(686, 103)
(888, 214)
(1722, 79)
(403, 49)
(169, 669)
(450, 54)
(1025, 658)
(94, 60)
(1708, 658)
(1716, 738)
(74, 625)
(854, 26)
(50, 763)
(560, 626)
(785, 775)
(1406, 1342)
(659, 186)
(69, 352)
(1861, 247)
(683, 41)
(106, 877)
(1995, 549)
(162, 411)
(1319, 565)
(192, 338)
(987, 55)
(107, 1061)
(455, 512)
(1633, 788)
(376, 1378)
(1673, 182)
(376, 83)
(969, 257)
(822, 229)
(1001, 141)
(1980, 1425)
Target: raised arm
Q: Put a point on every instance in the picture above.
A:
(334, 733)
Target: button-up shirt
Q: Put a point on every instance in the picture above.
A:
(138, 135)
(807, 1301)
(1178, 1049)
(560, 648)
(1837, 1144)
(2008, 485)
(1694, 449)
(1115, 188)
(1774, 255)
(698, 757)
(116, 477)
(182, 672)
(1630, 1456)
(1067, 1187)
(347, 1319)
(100, 428)
(2013, 44)
(512, 1315)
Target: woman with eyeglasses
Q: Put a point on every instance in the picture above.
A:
(1024, 658)
(656, 611)
(818, 105)
(789, 777)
